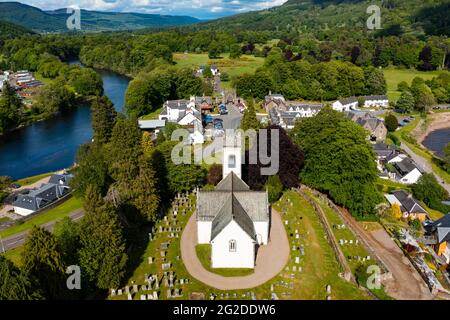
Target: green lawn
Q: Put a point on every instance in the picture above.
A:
(33, 179)
(152, 116)
(15, 255)
(395, 76)
(204, 255)
(4, 219)
(57, 213)
(386, 186)
(234, 67)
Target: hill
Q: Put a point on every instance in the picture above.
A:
(305, 16)
(11, 30)
(91, 21)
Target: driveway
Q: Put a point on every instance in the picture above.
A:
(270, 260)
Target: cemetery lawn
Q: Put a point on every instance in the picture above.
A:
(57, 213)
(319, 264)
(204, 255)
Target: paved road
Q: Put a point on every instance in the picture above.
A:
(425, 165)
(19, 239)
(270, 260)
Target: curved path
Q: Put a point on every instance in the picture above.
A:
(270, 260)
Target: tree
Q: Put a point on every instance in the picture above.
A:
(396, 211)
(42, 260)
(447, 154)
(391, 122)
(425, 57)
(338, 160)
(10, 109)
(54, 97)
(274, 188)
(15, 284)
(214, 174)
(375, 82)
(424, 98)
(207, 73)
(102, 254)
(67, 234)
(103, 119)
(235, 51)
(406, 102)
(402, 86)
(214, 50)
(249, 120)
(428, 190)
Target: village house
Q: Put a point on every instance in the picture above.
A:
(233, 219)
(376, 127)
(437, 234)
(45, 195)
(410, 207)
(376, 101)
(346, 104)
(407, 171)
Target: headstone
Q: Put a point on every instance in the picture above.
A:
(328, 289)
(119, 292)
(150, 237)
(135, 288)
(143, 297)
(297, 260)
(113, 292)
(163, 254)
(129, 297)
(156, 282)
(169, 293)
(155, 295)
(127, 289)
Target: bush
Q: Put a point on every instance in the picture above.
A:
(274, 188)
(394, 138)
(391, 122)
(214, 174)
(415, 224)
(428, 190)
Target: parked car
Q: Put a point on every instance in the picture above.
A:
(223, 110)
(208, 119)
(218, 124)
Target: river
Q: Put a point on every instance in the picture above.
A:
(437, 140)
(52, 144)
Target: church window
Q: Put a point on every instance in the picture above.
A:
(232, 245)
(232, 161)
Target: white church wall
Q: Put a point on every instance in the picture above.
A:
(262, 232)
(203, 232)
(242, 257)
(229, 164)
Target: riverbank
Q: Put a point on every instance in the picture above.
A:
(435, 121)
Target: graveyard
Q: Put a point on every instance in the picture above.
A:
(311, 273)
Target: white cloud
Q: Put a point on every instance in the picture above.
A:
(196, 8)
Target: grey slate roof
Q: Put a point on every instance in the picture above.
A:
(384, 150)
(232, 211)
(61, 179)
(408, 203)
(441, 227)
(406, 166)
(177, 104)
(232, 183)
(376, 98)
(348, 100)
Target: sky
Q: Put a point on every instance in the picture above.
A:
(202, 9)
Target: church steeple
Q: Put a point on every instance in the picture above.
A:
(232, 156)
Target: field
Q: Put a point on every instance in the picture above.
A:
(318, 265)
(234, 67)
(395, 76)
(30, 180)
(56, 213)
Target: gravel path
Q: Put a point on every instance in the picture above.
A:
(270, 260)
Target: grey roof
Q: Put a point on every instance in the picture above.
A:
(61, 179)
(406, 166)
(39, 198)
(441, 227)
(384, 150)
(151, 124)
(177, 104)
(232, 183)
(232, 210)
(348, 100)
(408, 203)
(376, 98)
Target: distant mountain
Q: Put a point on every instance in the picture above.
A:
(91, 21)
(11, 30)
(397, 16)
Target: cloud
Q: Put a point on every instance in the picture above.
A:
(204, 9)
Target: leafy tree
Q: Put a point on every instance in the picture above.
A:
(42, 260)
(406, 102)
(102, 254)
(207, 73)
(54, 97)
(15, 284)
(425, 57)
(402, 86)
(375, 82)
(67, 234)
(428, 190)
(424, 98)
(391, 122)
(235, 51)
(10, 109)
(249, 120)
(396, 211)
(214, 50)
(338, 160)
(447, 153)
(103, 119)
(274, 188)
(214, 174)
(224, 76)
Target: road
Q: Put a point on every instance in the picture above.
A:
(19, 239)
(425, 165)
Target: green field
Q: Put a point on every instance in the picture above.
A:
(234, 67)
(57, 213)
(395, 76)
(15, 255)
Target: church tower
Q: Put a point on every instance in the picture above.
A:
(232, 155)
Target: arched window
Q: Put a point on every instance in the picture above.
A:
(232, 245)
(232, 161)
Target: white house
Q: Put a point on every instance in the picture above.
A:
(346, 104)
(232, 218)
(408, 171)
(376, 101)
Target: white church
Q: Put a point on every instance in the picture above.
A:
(232, 218)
